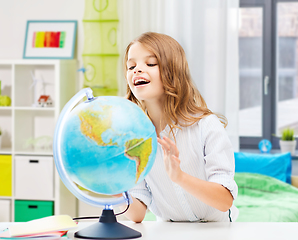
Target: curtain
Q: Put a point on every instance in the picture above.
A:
(208, 32)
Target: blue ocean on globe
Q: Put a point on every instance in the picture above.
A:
(108, 145)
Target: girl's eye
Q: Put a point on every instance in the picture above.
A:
(131, 68)
(151, 64)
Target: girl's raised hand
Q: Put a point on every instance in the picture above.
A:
(171, 158)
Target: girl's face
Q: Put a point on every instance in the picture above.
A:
(143, 74)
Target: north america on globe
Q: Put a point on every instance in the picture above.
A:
(94, 123)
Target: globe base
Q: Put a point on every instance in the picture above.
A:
(107, 228)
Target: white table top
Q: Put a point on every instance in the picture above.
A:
(217, 231)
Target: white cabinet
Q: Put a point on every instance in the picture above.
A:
(28, 128)
(5, 210)
(34, 177)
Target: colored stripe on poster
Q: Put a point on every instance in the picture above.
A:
(62, 39)
(48, 39)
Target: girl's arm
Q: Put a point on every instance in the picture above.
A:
(136, 211)
(213, 194)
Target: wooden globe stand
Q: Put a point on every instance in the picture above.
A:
(107, 228)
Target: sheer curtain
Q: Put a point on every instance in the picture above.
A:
(208, 32)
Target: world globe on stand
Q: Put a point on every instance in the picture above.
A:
(106, 145)
(265, 146)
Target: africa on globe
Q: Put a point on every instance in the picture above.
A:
(108, 145)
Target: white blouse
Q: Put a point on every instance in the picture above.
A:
(206, 153)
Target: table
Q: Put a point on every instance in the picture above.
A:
(211, 231)
(152, 230)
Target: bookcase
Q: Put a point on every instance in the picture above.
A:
(29, 183)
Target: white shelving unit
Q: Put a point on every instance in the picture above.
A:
(28, 129)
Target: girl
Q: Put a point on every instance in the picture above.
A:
(192, 178)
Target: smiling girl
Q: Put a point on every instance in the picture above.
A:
(192, 178)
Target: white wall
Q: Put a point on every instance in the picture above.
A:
(15, 13)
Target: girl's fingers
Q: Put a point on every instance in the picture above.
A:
(172, 146)
(165, 146)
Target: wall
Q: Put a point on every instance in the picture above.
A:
(15, 13)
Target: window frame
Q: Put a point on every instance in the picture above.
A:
(267, 125)
(269, 112)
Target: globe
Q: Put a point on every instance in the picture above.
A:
(265, 146)
(106, 145)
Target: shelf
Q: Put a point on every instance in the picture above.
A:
(35, 152)
(28, 129)
(35, 199)
(5, 151)
(39, 130)
(5, 198)
(28, 108)
(35, 108)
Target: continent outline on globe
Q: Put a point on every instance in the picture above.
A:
(138, 152)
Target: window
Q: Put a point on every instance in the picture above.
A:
(268, 70)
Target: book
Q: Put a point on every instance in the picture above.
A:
(53, 226)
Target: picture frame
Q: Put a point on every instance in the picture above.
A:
(50, 39)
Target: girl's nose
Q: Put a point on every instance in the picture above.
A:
(137, 70)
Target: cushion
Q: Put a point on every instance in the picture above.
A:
(274, 165)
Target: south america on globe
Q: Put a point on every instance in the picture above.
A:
(108, 145)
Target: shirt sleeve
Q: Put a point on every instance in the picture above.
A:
(142, 192)
(218, 154)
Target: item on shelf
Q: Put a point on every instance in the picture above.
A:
(5, 101)
(29, 189)
(5, 206)
(45, 101)
(30, 210)
(39, 143)
(0, 137)
(5, 176)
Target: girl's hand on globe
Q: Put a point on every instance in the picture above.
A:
(171, 158)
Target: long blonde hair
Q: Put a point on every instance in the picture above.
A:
(184, 105)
